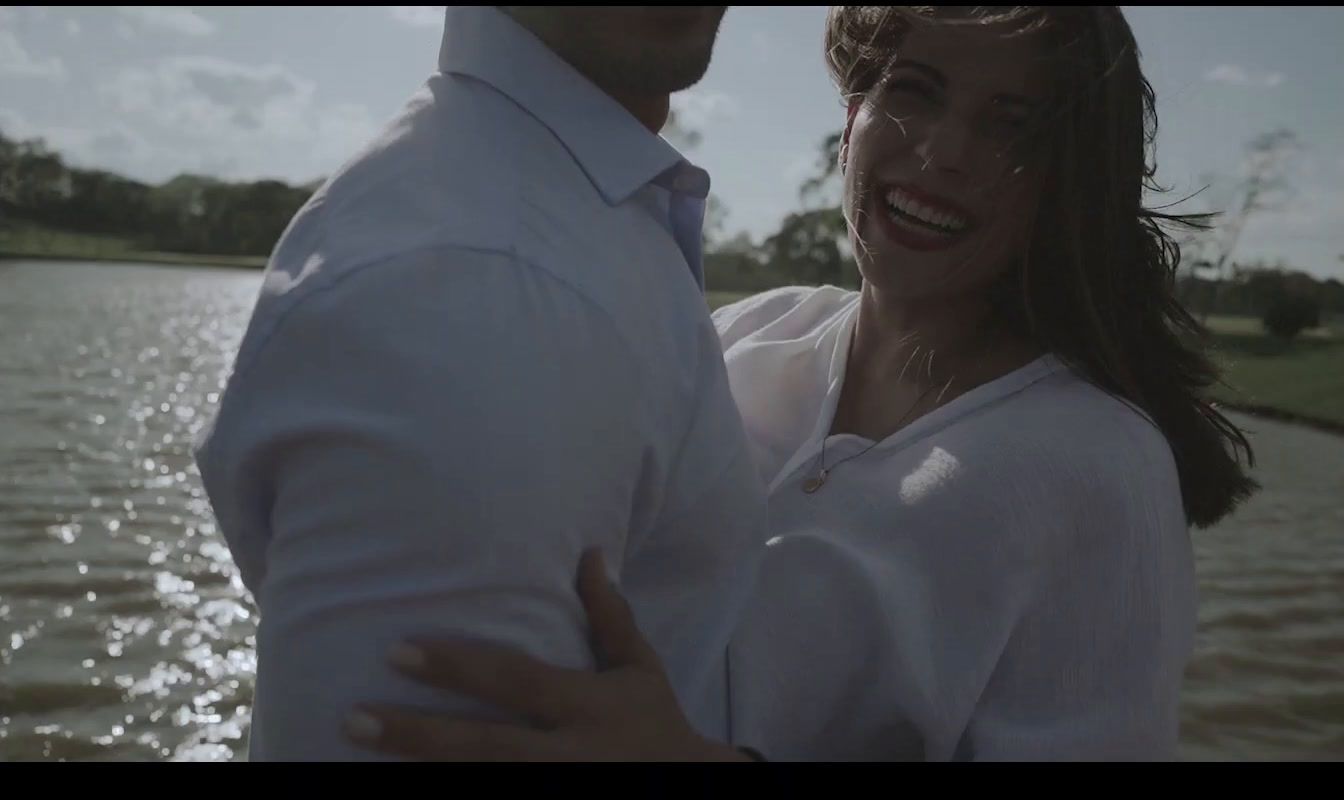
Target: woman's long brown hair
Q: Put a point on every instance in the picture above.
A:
(1098, 286)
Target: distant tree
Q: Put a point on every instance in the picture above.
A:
(1290, 314)
(9, 153)
(812, 245)
(101, 202)
(827, 168)
(1332, 296)
(1262, 187)
(716, 220)
(738, 264)
(190, 214)
(687, 139)
(38, 180)
(806, 248)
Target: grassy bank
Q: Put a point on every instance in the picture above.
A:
(1301, 381)
(718, 299)
(34, 242)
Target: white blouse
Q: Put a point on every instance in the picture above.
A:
(1009, 577)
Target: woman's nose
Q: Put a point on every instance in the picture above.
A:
(945, 146)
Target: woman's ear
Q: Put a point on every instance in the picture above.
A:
(854, 105)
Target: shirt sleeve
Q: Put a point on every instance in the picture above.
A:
(425, 446)
(1095, 668)
(736, 321)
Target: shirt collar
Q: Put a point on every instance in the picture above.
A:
(617, 153)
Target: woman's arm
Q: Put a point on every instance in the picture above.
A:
(626, 711)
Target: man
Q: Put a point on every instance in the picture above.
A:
(480, 349)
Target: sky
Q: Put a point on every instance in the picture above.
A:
(290, 92)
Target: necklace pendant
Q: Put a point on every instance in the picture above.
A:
(812, 484)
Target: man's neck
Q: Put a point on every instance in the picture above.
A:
(651, 111)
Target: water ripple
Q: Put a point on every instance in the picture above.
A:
(125, 633)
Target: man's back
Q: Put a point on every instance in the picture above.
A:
(480, 349)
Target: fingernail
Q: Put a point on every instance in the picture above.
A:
(363, 727)
(407, 656)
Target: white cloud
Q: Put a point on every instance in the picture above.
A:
(1240, 76)
(16, 60)
(107, 146)
(125, 31)
(14, 15)
(419, 16)
(72, 27)
(113, 147)
(801, 167)
(12, 125)
(1307, 192)
(696, 108)
(197, 110)
(175, 19)
(193, 92)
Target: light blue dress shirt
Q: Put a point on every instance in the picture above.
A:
(481, 348)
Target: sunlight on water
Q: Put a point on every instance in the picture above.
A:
(128, 635)
(125, 633)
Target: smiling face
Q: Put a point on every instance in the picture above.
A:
(940, 191)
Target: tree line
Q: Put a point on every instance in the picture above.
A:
(188, 214)
(203, 215)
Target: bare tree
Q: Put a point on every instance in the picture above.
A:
(827, 169)
(1263, 188)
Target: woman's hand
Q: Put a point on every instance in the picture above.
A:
(627, 711)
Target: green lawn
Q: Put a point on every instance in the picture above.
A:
(1304, 377)
(717, 299)
(1251, 326)
(24, 240)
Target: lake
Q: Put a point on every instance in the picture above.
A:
(125, 633)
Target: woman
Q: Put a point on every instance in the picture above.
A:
(983, 464)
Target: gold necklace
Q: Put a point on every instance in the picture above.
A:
(811, 485)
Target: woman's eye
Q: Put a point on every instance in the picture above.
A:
(1010, 125)
(912, 88)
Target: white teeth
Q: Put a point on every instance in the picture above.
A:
(908, 205)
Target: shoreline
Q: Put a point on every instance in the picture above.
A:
(257, 263)
(1280, 415)
(151, 258)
